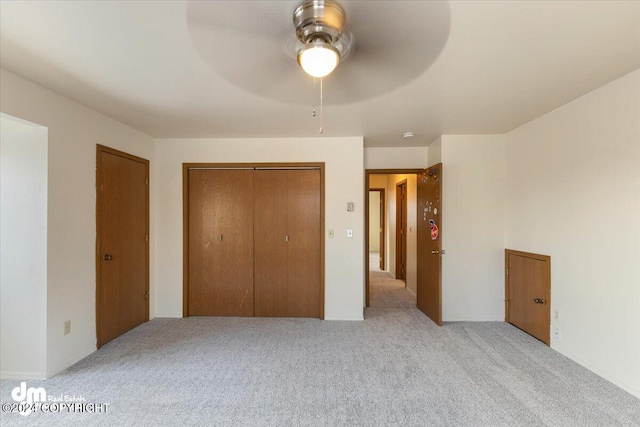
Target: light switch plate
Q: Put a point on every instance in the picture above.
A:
(349, 232)
(331, 234)
(350, 207)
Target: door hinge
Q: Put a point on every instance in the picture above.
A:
(146, 181)
(146, 238)
(507, 271)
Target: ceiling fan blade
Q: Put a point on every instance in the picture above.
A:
(264, 19)
(252, 45)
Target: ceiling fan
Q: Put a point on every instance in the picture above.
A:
(320, 29)
(367, 48)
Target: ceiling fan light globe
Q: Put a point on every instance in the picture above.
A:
(318, 59)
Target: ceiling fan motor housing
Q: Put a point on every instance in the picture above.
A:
(319, 20)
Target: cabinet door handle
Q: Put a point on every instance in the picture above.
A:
(286, 237)
(107, 257)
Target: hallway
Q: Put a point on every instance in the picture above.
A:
(385, 291)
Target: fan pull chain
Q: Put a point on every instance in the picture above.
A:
(321, 129)
(313, 99)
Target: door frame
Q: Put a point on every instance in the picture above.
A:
(253, 166)
(383, 226)
(547, 261)
(367, 173)
(100, 150)
(401, 267)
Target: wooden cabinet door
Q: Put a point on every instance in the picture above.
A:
(270, 234)
(303, 247)
(220, 242)
(528, 293)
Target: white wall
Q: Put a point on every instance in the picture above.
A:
(473, 227)
(23, 259)
(573, 192)
(74, 131)
(434, 152)
(344, 182)
(412, 242)
(374, 221)
(395, 158)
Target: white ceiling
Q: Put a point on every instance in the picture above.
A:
(486, 66)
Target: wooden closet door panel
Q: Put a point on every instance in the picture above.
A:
(220, 243)
(303, 248)
(270, 229)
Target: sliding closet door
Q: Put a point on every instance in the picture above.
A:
(303, 249)
(270, 242)
(220, 242)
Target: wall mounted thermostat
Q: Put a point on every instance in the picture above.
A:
(349, 206)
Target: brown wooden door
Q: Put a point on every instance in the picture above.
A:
(429, 290)
(122, 248)
(220, 242)
(287, 243)
(528, 293)
(401, 230)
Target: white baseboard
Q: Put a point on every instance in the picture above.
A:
(623, 385)
(34, 376)
(345, 318)
(71, 361)
(411, 292)
(170, 316)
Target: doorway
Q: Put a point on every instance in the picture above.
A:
(122, 243)
(423, 278)
(391, 258)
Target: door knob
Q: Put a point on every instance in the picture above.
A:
(107, 257)
(146, 295)
(435, 252)
(538, 300)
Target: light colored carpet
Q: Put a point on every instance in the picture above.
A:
(395, 368)
(387, 292)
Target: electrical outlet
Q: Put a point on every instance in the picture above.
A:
(558, 334)
(67, 327)
(557, 314)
